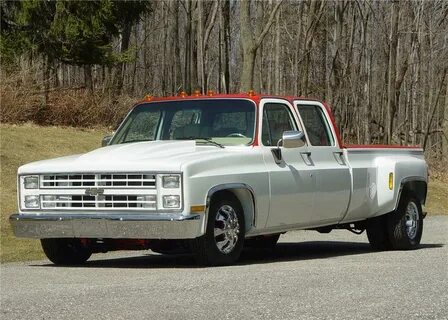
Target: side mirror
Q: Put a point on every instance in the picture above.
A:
(106, 140)
(293, 139)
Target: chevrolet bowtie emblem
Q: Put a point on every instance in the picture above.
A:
(94, 191)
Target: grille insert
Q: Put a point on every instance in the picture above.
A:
(147, 202)
(112, 180)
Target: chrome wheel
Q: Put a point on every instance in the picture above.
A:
(227, 229)
(412, 220)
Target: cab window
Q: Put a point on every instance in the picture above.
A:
(277, 118)
(316, 125)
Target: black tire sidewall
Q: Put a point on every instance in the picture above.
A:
(213, 256)
(65, 251)
(397, 225)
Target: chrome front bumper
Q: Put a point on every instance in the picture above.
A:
(102, 225)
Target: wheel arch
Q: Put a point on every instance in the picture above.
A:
(416, 186)
(243, 193)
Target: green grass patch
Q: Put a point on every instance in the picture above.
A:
(23, 144)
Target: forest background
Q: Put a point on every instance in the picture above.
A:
(381, 65)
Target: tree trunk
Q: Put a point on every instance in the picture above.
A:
(88, 78)
(250, 43)
(227, 48)
(247, 74)
(125, 38)
(200, 47)
(176, 51)
(392, 70)
(277, 54)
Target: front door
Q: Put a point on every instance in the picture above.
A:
(292, 181)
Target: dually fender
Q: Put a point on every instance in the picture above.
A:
(417, 185)
(244, 193)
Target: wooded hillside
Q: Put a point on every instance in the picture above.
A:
(381, 65)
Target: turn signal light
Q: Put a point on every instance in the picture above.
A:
(197, 209)
(391, 180)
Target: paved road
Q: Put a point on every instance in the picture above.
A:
(308, 276)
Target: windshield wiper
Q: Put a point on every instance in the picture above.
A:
(208, 140)
(136, 140)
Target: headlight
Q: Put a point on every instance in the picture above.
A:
(48, 201)
(31, 182)
(171, 202)
(171, 182)
(148, 201)
(32, 202)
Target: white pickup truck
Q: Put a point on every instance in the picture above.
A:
(215, 173)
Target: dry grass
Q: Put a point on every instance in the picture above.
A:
(22, 100)
(27, 143)
(437, 201)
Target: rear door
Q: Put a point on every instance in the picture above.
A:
(333, 178)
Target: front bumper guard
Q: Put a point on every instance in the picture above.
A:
(115, 226)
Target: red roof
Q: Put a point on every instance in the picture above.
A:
(255, 97)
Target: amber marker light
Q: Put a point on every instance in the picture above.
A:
(251, 93)
(210, 92)
(148, 97)
(391, 180)
(197, 93)
(182, 94)
(197, 209)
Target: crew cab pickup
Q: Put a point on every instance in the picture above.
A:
(214, 173)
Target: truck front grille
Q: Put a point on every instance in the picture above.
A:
(65, 201)
(109, 180)
(98, 191)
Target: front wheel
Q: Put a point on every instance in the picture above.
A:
(224, 238)
(65, 251)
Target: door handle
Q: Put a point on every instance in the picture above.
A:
(339, 156)
(306, 156)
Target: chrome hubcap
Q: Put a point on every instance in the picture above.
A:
(412, 220)
(227, 229)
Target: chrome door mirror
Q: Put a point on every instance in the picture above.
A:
(293, 139)
(106, 140)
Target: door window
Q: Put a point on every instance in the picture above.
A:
(277, 118)
(316, 125)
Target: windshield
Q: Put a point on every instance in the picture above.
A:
(219, 121)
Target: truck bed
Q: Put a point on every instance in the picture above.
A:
(370, 168)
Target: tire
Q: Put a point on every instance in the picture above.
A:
(405, 226)
(65, 251)
(224, 238)
(377, 234)
(398, 230)
(265, 242)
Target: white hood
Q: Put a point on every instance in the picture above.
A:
(139, 156)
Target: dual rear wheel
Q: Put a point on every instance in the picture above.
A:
(398, 230)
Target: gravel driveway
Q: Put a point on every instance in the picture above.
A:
(308, 276)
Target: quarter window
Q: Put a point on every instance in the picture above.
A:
(316, 125)
(277, 118)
